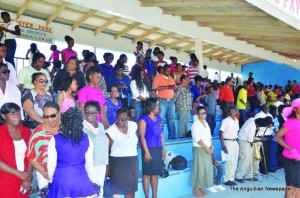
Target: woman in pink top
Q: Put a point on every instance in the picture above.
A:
(288, 137)
(91, 92)
(65, 98)
(55, 58)
(67, 53)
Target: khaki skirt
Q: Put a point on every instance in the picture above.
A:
(202, 171)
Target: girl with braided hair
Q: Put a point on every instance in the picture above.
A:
(70, 159)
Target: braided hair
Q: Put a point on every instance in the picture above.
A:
(71, 125)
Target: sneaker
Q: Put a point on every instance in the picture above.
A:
(228, 183)
(240, 180)
(212, 189)
(219, 187)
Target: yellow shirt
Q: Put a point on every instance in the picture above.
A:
(242, 95)
(272, 98)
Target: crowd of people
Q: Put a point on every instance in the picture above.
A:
(82, 121)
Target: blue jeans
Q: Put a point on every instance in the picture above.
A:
(211, 121)
(243, 117)
(138, 109)
(218, 172)
(167, 110)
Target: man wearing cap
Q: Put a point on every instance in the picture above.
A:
(165, 86)
(228, 136)
(246, 140)
(226, 97)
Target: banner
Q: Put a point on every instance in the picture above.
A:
(32, 31)
(290, 7)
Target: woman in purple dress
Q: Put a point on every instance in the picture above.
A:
(153, 146)
(111, 106)
(70, 159)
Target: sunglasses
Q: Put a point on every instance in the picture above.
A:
(203, 113)
(50, 116)
(90, 113)
(5, 71)
(42, 81)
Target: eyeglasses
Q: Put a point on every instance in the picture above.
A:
(42, 81)
(5, 71)
(90, 113)
(203, 113)
(50, 116)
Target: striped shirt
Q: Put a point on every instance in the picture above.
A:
(193, 71)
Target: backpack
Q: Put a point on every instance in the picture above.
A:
(178, 163)
(169, 156)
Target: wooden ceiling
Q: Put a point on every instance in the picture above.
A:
(79, 17)
(236, 18)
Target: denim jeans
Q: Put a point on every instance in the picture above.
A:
(243, 117)
(11, 46)
(138, 109)
(218, 172)
(167, 110)
(211, 121)
(183, 122)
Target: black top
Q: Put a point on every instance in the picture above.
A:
(62, 74)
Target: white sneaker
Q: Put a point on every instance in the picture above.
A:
(212, 189)
(219, 187)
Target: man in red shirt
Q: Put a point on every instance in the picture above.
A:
(226, 97)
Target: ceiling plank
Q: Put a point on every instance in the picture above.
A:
(239, 59)
(23, 8)
(162, 38)
(177, 3)
(221, 55)
(57, 12)
(216, 12)
(83, 19)
(248, 61)
(225, 59)
(258, 32)
(263, 38)
(106, 24)
(186, 47)
(208, 46)
(145, 34)
(178, 41)
(213, 51)
(127, 29)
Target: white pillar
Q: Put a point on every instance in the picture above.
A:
(199, 53)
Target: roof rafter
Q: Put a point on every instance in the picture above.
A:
(213, 51)
(106, 24)
(127, 29)
(83, 19)
(23, 8)
(57, 12)
(221, 55)
(162, 38)
(145, 34)
(178, 41)
(187, 47)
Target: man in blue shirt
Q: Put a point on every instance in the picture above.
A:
(107, 70)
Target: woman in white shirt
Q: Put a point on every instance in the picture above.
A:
(202, 171)
(139, 92)
(123, 155)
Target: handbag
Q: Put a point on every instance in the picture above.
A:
(164, 172)
(107, 193)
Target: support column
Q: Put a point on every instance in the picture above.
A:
(199, 53)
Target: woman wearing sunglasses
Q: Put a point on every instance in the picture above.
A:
(33, 101)
(202, 171)
(37, 151)
(15, 171)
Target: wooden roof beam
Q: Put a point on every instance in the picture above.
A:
(248, 61)
(215, 12)
(208, 46)
(23, 8)
(213, 51)
(145, 34)
(225, 59)
(221, 55)
(106, 24)
(57, 12)
(187, 47)
(162, 38)
(238, 59)
(175, 3)
(83, 19)
(178, 41)
(127, 29)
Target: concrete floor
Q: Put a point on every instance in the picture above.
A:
(258, 189)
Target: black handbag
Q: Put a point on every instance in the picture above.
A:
(107, 193)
